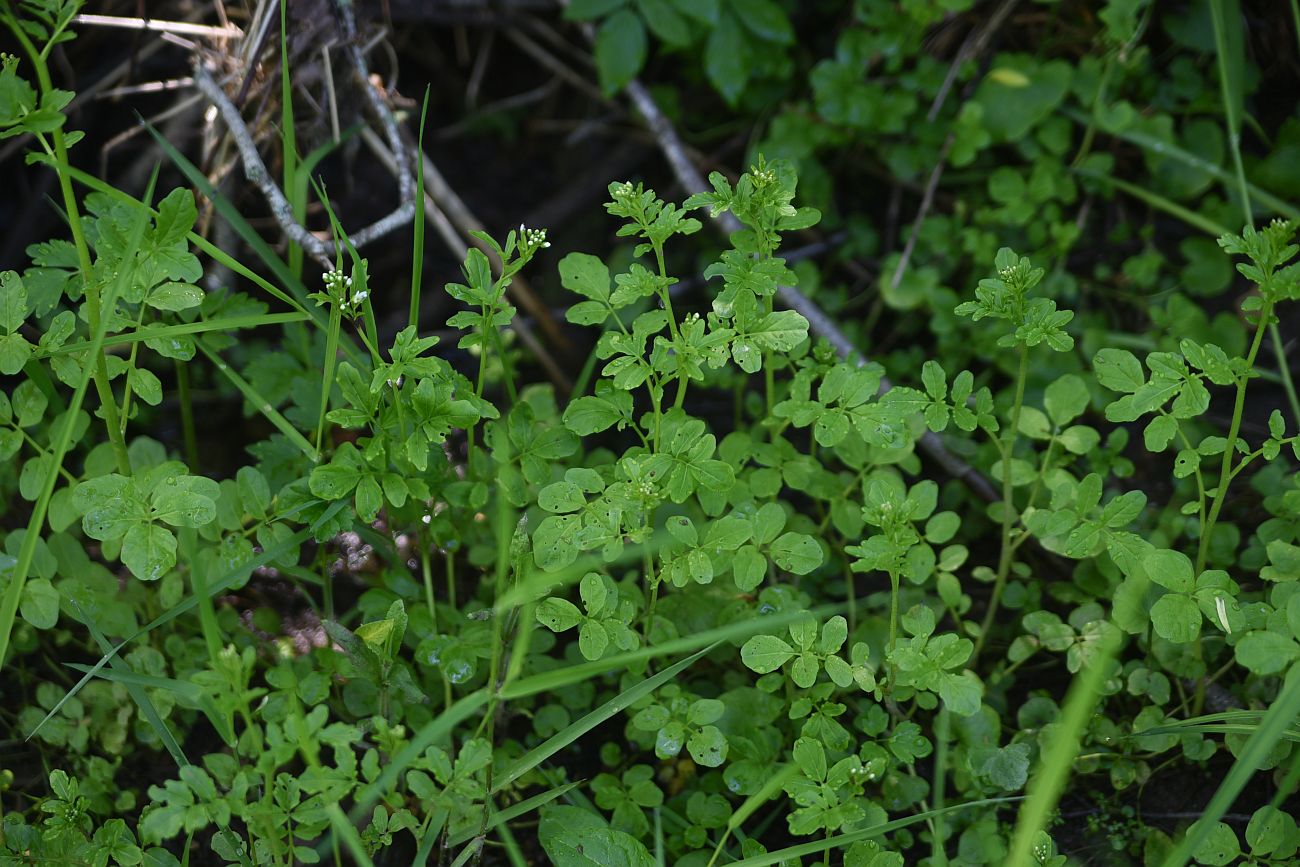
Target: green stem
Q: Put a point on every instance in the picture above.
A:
(939, 833)
(1008, 507)
(1225, 467)
(651, 591)
(327, 377)
(1284, 370)
(451, 577)
(427, 574)
(187, 415)
(94, 311)
(1200, 485)
(893, 631)
(769, 380)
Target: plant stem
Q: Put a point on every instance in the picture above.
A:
(939, 832)
(427, 574)
(651, 591)
(94, 311)
(1284, 370)
(187, 415)
(1225, 467)
(1008, 508)
(893, 631)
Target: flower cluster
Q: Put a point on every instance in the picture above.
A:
(531, 240)
(338, 290)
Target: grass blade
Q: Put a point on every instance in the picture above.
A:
(840, 841)
(580, 727)
(228, 580)
(1282, 713)
(1057, 761)
(514, 811)
(61, 442)
(225, 323)
(261, 404)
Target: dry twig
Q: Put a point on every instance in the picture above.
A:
(255, 169)
(818, 322)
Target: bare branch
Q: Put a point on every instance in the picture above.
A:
(818, 321)
(255, 169)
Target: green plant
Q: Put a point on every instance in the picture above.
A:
(774, 626)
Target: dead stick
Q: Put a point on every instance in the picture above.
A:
(820, 323)
(256, 172)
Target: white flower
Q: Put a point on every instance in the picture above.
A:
(532, 239)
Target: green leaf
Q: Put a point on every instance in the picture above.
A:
(727, 59)
(727, 533)
(586, 275)
(620, 51)
(573, 837)
(797, 553)
(1219, 847)
(558, 615)
(589, 415)
(780, 331)
(1008, 767)
(369, 498)
(765, 653)
(40, 604)
(1066, 399)
(707, 746)
(961, 693)
(765, 19)
(810, 756)
(1159, 433)
(176, 216)
(665, 22)
(834, 633)
(186, 501)
(335, 480)
(592, 639)
(593, 592)
(748, 568)
(1170, 569)
(1176, 618)
(1019, 92)
(13, 302)
(149, 551)
(14, 352)
(175, 296)
(1265, 652)
(1119, 370)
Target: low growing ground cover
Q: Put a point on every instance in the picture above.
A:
(990, 556)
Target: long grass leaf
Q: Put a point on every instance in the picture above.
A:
(184, 329)
(417, 242)
(581, 726)
(261, 404)
(62, 441)
(1057, 760)
(226, 581)
(1165, 149)
(571, 674)
(139, 696)
(1281, 714)
(514, 811)
(435, 731)
(233, 217)
(1157, 201)
(841, 841)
